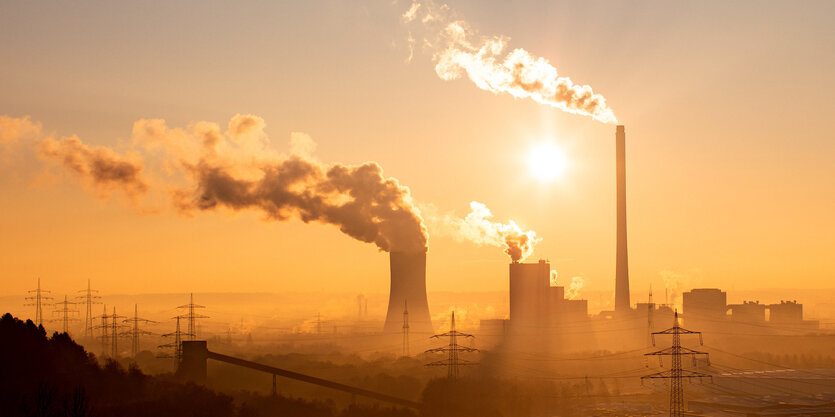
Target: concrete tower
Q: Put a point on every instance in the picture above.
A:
(408, 286)
(622, 304)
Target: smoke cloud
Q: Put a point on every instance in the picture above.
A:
(99, 166)
(477, 227)
(234, 171)
(458, 51)
(13, 129)
(574, 288)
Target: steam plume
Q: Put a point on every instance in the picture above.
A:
(13, 129)
(457, 52)
(574, 287)
(233, 173)
(477, 227)
(99, 166)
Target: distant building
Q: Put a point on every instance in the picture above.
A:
(529, 292)
(705, 304)
(535, 304)
(787, 312)
(748, 312)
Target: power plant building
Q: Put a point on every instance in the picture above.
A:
(535, 305)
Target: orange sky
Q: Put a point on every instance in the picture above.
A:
(727, 107)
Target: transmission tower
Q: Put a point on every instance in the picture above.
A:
(676, 374)
(89, 298)
(65, 312)
(177, 345)
(38, 300)
(114, 333)
(103, 326)
(405, 328)
(650, 311)
(192, 316)
(453, 349)
(135, 331)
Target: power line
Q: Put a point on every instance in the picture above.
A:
(676, 375)
(453, 349)
(38, 300)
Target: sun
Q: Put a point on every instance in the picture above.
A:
(546, 162)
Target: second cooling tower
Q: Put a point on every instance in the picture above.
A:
(408, 285)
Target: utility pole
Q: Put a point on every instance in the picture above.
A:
(135, 332)
(676, 375)
(453, 349)
(192, 316)
(177, 345)
(89, 298)
(65, 312)
(114, 334)
(38, 300)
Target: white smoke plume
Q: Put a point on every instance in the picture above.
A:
(477, 227)
(575, 287)
(675, 284)
(554, 276)
(457, 50)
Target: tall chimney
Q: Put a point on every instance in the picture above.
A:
(408, 285)
(622, 304)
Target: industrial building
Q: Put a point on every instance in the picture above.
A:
(408, 287)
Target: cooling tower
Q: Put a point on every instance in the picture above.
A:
(408, 285)
(622, 304)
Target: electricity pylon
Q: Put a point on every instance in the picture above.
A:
(103, 326)
(135, 331)
(192, 316)
(38, 300)
(453, 349)
(405, 328)
(177, 345)
(65, 312)
(89, 298)
(114, 333)
(676, 374)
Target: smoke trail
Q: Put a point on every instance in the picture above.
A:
(233, 173)
(477, 227)
(99, 166)
(456, 52)
(204, 168)
(574, 287)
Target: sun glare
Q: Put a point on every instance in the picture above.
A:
(546, 162)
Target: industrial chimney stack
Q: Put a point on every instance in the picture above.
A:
(622, 304)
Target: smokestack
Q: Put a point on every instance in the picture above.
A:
(408, 285)
(622, 304)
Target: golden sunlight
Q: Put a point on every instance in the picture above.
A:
(547, 162)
